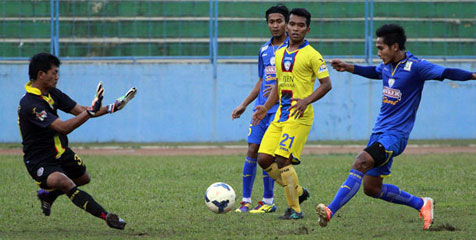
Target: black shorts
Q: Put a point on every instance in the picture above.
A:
(69, 163)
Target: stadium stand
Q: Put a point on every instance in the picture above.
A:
(109, 28)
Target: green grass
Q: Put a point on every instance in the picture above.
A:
(162, 197)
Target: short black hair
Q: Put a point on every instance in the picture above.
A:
(281, 9)
(392, 33)
(42, 62)
(302, 12)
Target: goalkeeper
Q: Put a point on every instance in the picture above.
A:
(48, 159)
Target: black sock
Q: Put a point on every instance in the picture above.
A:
(85, 201)
(54, 194)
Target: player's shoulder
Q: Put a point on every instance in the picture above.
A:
(264, 47)
(280, 51)
(311, 51)
(28, 102)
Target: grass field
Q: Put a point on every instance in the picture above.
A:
(162, 197)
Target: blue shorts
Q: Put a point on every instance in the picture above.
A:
(394, 145)
(256, 133)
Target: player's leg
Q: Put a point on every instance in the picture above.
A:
(74, 168)
(83, 180)
(362, 163)
(266, 205)
(45, 194)
(394, 145)
(374, 187)
(255, 135)
(292, 141)
(266, 151)
(249, 174)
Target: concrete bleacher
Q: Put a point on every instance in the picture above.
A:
(178, 28)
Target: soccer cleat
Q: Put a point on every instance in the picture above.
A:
(263, 208)
(291, 214)
(115, 221)
(244, 207)
(324, 214)
(46, 203)
(426, 212)
(304, 196)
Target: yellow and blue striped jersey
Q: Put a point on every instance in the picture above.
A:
(296, 72)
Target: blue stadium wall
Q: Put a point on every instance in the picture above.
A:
(179, 103)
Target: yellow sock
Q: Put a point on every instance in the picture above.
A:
(291, 186)
(273, 172)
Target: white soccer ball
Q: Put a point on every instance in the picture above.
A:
(220, 197)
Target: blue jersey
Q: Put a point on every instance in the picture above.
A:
(402, 87)
(267, 70)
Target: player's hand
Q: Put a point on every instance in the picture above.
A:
(299, 107)
(258, 115)
(339, 65)
(237, 112)
(97, 102)
(267, 90)
(121, 102)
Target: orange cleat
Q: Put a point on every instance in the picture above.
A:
(324, 214)
(426, 212)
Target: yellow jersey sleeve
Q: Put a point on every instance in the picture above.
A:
(319, 66)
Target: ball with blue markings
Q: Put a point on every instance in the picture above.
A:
(220, 197)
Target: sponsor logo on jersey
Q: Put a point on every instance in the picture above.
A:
(41, 115)
(272, 61)
(264, 54)
(270, 70)
(40, 171)
(393, 93)
(322, 68)
(391, 81)
(408, 66)
(287, 65)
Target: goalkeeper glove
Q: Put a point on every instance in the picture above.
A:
(121, 102)
(97, 102)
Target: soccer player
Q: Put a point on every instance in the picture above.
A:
(403, 78)
(297, 67)
(276, 18)
(48, 159)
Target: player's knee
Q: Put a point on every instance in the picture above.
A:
(265, 160)
(363, 162)
(371, 191)
(83, 180)
(282, 161)
(253, 150)
(60, 181)
(377, 152)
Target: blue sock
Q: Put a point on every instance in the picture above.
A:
(249, 173)
(394, 194)
(268, 185)
(347, 190)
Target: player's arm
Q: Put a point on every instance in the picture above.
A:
(69, 125)
(364, 71)
(301, 104)
(457, 74)
(261, 110)
(240, 109)
(78, 109)
(431, 71)
(82, 116)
